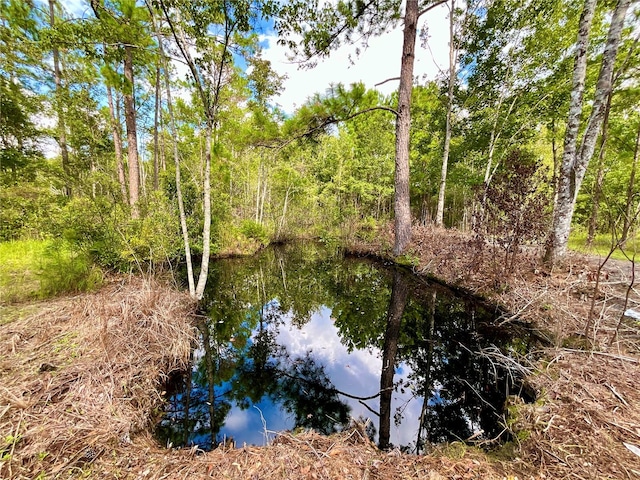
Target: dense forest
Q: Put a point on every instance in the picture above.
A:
(142, 132)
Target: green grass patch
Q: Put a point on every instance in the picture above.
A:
(39, 269)
(601, 245)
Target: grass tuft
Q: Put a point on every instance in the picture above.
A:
(39, 269)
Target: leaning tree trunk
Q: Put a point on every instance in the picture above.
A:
(206, 229)
(402, 206)
(575, 160)
(447, 135)
(132, 140)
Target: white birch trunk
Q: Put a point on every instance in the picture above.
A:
(576, 159)
(206, 229)
(176, 160)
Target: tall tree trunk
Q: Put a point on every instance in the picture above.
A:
(575, 160)
(599, 181)
(176, 161)
(629, 217)
(597, 187)
(399, 293)
(283, 219)
(258, 192)
(447, 135)
(116, 131)
(206, 229)
(402, 205)
(62, 128)
(132, 139)
(156, 162)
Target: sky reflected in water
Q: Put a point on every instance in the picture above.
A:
(297, 337)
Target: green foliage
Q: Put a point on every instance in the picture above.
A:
(19, 267)
(106, 234)
(65, 270)
(28, 211)
(601, 245)
(254, 230)
(37, 269)
(325, 28)
(155, 238)
(328, 171)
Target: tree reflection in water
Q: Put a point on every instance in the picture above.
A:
(312, 339)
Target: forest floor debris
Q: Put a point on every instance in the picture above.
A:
(81, 377)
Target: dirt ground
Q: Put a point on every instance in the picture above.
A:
(80, 378)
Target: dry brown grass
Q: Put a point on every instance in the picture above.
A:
(82, 376)
(591, 407)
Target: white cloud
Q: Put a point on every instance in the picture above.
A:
(379, 62)
(237, 420)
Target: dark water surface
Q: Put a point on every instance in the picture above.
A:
(301, 337)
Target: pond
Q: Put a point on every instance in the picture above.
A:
(301, 337)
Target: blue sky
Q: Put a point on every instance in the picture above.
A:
(377, 63)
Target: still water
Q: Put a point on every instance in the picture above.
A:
(301, 337)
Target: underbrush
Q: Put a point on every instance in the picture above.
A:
(39, 269)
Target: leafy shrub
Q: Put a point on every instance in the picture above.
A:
(254, 230)
(27, 211)
(94, 228)
(67, 271)
(155, 238)
(515, 208)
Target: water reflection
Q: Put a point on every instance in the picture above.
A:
(298, 337)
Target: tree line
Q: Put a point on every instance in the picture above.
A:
(171, 143)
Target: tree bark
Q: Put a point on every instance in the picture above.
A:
(402, 205)
(206, 229)
(116, 131)
(62, 128)
(447, 135)
(132, 139)
(575, 160)
(156, 162)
